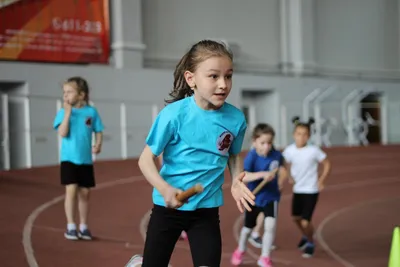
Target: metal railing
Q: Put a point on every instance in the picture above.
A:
(27, 138)
(345, 123)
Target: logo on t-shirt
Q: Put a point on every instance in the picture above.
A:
(224, 141)
(273, 165)
(88, 121)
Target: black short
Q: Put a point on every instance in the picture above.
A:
(303, 205)
(82, 175)
(270, 210)
(165, 226)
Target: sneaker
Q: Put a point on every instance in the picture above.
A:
(308, 251)
(135, 261)
(71, 235)
(264, 262)
(302, 244)
(183, 236)
(237, 257)
(85, 234)
(256, 242)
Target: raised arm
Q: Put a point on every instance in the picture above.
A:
(63, 128)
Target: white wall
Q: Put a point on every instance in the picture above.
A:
(357, 37)
(171, 26)
(357, 34)
(322, 36)
(267, 106)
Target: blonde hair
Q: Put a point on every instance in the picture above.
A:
(81, 85)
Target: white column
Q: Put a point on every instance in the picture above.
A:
(124, 132)
(126, 32)
(5, 142)
(28, 149)
(297, 36)
(398, 33)
(284, 35)
(284, 130)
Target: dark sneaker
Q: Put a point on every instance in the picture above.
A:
(302, 244)
(71, 235)
(85, 234)
(256, 242)
(309, 251)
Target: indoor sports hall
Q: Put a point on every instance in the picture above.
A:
(337, 62)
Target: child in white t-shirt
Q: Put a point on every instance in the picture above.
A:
(303, 160)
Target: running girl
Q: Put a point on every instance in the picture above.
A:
(199, 134)
(303, 160)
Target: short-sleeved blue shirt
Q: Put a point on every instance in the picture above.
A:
(77, 146)
(196, 145)
(256, 163)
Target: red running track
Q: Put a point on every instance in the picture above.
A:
(354, 218)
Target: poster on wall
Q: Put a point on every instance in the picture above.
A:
(61, 31)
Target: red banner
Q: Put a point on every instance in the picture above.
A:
(70, 31)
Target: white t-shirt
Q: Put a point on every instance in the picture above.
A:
(304, 167)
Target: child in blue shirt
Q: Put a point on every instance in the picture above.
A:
(76, 122)
(198, 134)
(258, 164)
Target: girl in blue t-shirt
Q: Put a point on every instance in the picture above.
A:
(75, 123)
(199, 135)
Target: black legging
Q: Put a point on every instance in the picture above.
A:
(165, 227)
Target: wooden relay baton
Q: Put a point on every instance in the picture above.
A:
(263, 183)
(185, 195)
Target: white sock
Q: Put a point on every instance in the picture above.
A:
(83, 227)
(71, 226)
(244, 236)
(255, 235)
(269, 236)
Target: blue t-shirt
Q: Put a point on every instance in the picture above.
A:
(76, 147)
(196, 145)
(255, 163)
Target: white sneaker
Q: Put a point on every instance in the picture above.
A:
(135, 261)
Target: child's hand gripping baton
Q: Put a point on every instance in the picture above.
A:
(185, 195)
(263, 183)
